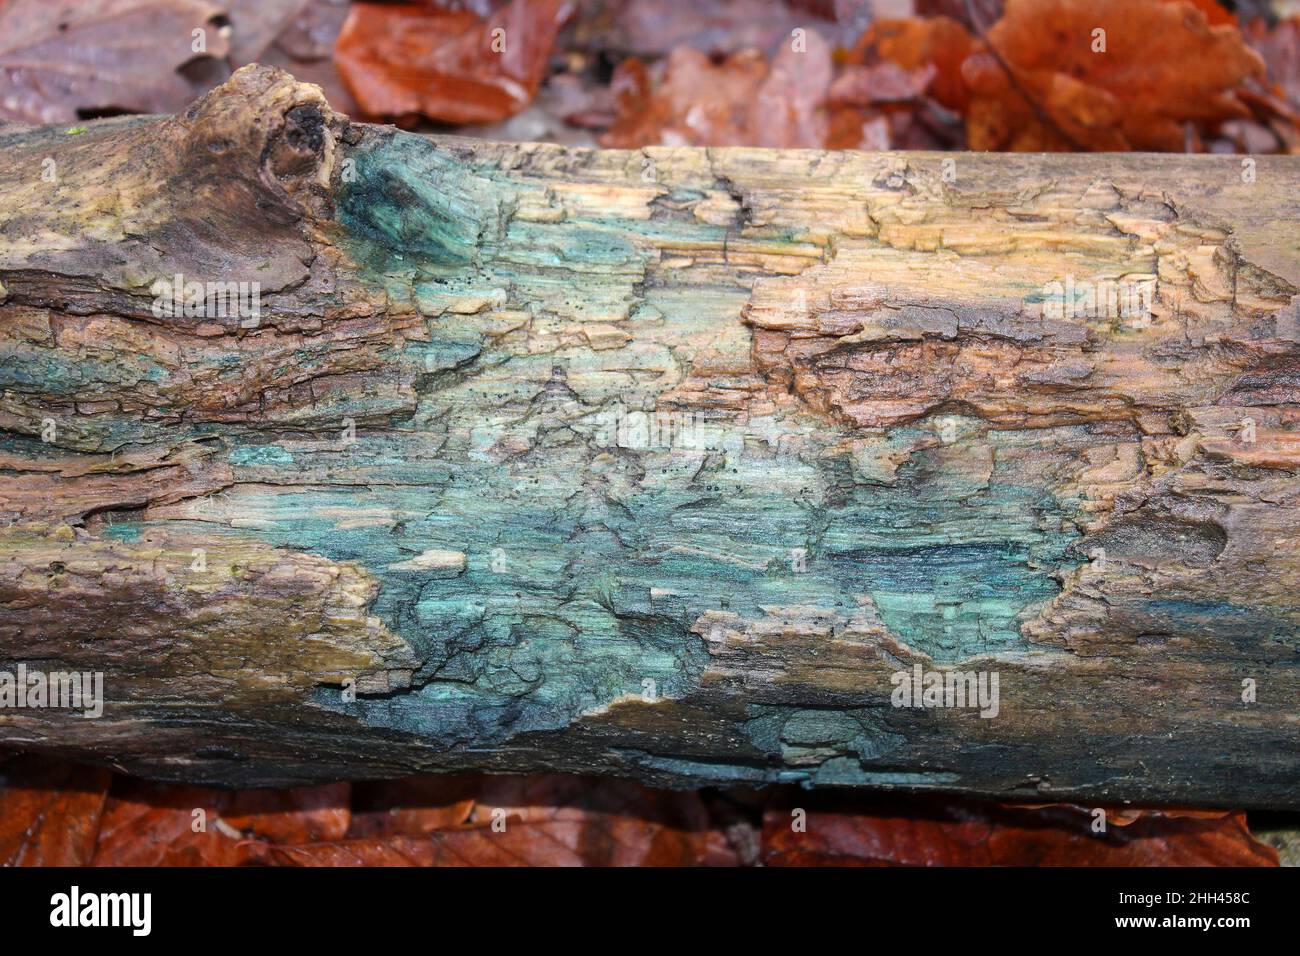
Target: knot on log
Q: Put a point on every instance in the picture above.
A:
(231, 191)
(263, 126)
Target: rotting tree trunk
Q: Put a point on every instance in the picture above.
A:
(423, 470)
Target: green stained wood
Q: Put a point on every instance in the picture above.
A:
(557, 464)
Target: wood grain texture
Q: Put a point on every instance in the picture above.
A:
(657, 463)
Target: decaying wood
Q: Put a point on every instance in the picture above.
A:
(660, 463)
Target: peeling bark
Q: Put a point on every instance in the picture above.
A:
(658, 463)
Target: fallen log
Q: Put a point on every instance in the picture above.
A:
(343, 452)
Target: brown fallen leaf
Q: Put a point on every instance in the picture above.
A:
(153, 824)
(49, 811)
(789, 111)
(1280, 48)
(312, 33)
(61, 60)
(538, 820)
(651, 29)
(979, 14)
(447, 63)
(413, 806)
(607, 822)
(688, 100)
(579, 101)
(156, 824)
(938, 46)
(854, 128)
(298, 815)
(974, 15)
(880, 83)
(1215, 12)
(953, 833)
(1138, 94)
(255, 24)
(386, 851)
(521, 843)
(738, 101)
(305, 48)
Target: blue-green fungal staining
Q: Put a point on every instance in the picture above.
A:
(661, 463)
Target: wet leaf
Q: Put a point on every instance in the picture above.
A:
(1138, 94)
(414, 806)
(152, 824)
(447, 63)
(298, 815)
(953, 833)
(387, 851)
(540, 820)
(49, 811)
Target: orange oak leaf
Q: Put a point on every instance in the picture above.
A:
(939, 45)
(49, 811)
(1104, 75)
(445, 62)
(951, 833)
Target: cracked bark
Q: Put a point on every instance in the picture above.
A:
(656, 463)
